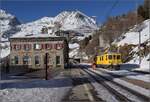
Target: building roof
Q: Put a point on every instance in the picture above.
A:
(33, 35)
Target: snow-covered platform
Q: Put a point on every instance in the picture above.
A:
(36, 90)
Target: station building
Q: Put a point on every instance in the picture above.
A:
(29, 51)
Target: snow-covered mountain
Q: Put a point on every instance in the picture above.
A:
(69, 20)
(76, 20)
(8, 25)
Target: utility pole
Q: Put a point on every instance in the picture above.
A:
(46, 66)
(139, 47)
(149, 36)
(139, 31)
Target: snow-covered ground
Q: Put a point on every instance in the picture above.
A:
(145, 63)
(52, 90)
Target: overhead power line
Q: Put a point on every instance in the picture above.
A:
(112, 7)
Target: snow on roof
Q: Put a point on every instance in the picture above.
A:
(33, 35)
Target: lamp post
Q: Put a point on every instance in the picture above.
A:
(46, 66)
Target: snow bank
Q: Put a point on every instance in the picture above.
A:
(73, 53)
(145, 64)
(74, 45)
(6, 50)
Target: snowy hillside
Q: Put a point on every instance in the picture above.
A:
(8, 27)
(34, 27)
(132, 38)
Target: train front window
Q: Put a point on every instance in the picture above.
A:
(114, 56)
(118, 57)
(109, 57)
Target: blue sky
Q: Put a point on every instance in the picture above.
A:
(29, 10)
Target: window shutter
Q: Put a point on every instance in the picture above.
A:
(62, 45)
(34, 46)
(59, 46)
(45, 46)
(30, 46)
(49, 46)
(14, 47)
(20, 46)
(55, 46)
(42, 46)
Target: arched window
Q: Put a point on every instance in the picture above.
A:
(48, 60)
(57, 60)
(110, 57)
(17, 47)
(16, 60)
(27, 47)
(37, 60)
(118, 57)
(26, 60)
(48, 46)
(37, 46)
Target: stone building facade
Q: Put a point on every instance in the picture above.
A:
(29, 51)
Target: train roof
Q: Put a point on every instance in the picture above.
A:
(110, 53)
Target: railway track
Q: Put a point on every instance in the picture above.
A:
(130, 96)
(146, 97)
